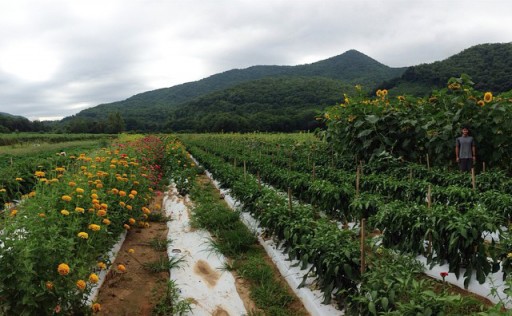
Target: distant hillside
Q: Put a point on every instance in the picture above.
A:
(280, 104)
(488, 65)
(149, 111)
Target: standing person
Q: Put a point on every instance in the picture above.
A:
(465, 150)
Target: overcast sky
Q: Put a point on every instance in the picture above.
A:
(60, 57)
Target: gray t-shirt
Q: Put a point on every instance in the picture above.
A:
(465, 144)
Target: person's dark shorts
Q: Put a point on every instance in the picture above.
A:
(465, 164)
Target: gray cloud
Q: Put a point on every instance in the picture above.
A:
(58, 57)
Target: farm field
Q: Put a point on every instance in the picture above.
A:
(355, 229)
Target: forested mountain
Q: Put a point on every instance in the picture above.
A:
(15, 123)
(488, 65)
(149, 111)
(279, 104)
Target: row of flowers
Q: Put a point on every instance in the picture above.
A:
(55, 242)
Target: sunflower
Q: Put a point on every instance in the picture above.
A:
(488, 97)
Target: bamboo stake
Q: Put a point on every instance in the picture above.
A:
(363, 264)
(473, 179)
(428, 163)
(290, 199)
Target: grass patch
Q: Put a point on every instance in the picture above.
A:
(159, 244)
(170, 302)
(163, 264)
(157, 217)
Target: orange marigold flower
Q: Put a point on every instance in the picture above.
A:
(99, 185)
(13, 213)
(126, 226)
(129, 207)
(96, 307)
(131, 196)
(146, 210)
(122, 193)
(94, 227)
(101, 213)
(104, 206)
(131, 221)
(101, 265)
(39, 174)
(63, 269)
(121, 268)
(94, 196)
(488, 97)
(122, 204)
(42, 215)
(133, 192)
(79, 190)
(80, 284)
(66, 198)
(49, 285)
(72, 183)
(93, 278)
(83, 235)
(106, 221)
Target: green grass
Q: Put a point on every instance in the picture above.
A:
(159, 244)
(163, 264)
(170, 303)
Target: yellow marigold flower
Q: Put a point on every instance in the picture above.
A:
(49, 285)
(79, 209)
(66, 198)
(129, 207)
(72, 183)
(60, 169)
(121, 268)
(99, 185)
(146, 225)
(133, 192)
(131, 196)
(93, 278)
(481, 103)
(104, 206)
(135, 182)
(131, 221)
(94, 227)
(101, 265)
(131, 250)
(112, 166)
(13, 213)
(101, 213)
(126, 226)
(83, 235)
(63, 269)
(39, 174)
(79, 190)
(106, 221)
(96, 307)
(64, 212)
(32, 194)
(122, 193)
(146, 210)
(488, 97)
(122, 204)
(94, 196)
(80, 284)
(19, 179)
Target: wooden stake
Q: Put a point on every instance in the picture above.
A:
(483, 166)
(358, 176)
(429, 205)
(428, 163)
(363, 264)
(290, 199)
(473, 179)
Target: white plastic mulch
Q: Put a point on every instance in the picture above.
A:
(200, 277)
